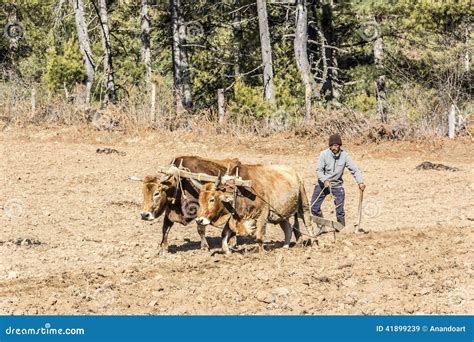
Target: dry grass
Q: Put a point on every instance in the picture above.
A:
(133, 115)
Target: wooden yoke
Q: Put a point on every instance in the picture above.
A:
(203, 177)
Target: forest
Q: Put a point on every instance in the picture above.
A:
(402, 67)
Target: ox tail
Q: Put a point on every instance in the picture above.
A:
(304, 209)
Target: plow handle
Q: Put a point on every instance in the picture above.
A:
(361, 197)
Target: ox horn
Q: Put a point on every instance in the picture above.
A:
(165, 178)
(196, 183)
(135, 179)
(218, 180)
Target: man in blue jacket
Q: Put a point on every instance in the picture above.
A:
(330, 168)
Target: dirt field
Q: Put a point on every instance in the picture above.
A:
(72, 242)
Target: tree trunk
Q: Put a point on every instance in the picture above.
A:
(108, 67)
(181, 75)
(145, 37)
(266, 51)
(467, 54)
(186, 77)
(238, 36)
(330, 86)
(380, 82)
(301, 52)
(84, 45)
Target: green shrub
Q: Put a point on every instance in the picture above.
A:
(65, 68)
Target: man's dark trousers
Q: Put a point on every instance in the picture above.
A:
(339, 196)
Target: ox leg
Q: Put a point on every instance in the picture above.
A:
(202, 233)
(232, 240)
(167, 224)
(261, 227)
(303, 213)
(296, 230)
(286, 227)
(226, 233)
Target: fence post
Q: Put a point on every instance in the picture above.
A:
(221, 106)
(451, 121)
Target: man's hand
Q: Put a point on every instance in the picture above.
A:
(362, 186)
(327, 184)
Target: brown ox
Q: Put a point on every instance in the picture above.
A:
(179, 200)
(277, 193)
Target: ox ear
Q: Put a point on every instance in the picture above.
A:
(149, 179)
(226, 198)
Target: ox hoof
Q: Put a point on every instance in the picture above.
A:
(226, 251)
(205, 247)
(162, 252)
(286, 246)
(300, 243)
(233, 242)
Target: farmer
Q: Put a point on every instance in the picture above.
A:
(329, 170)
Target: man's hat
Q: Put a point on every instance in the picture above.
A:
(335, 139)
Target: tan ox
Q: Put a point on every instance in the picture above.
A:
(276, 195)
(179, 202)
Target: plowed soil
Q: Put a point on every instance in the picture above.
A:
(72, 242)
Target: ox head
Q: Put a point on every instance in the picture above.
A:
(155, 196)
(214, 205)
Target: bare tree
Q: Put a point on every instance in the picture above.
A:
(181, 74)
(145, 37)
(467, 53)
(84, 45)
(330, 86)
(301, 52)
(380, 82)
(108, 66)
(238, 36)
(266, 47)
